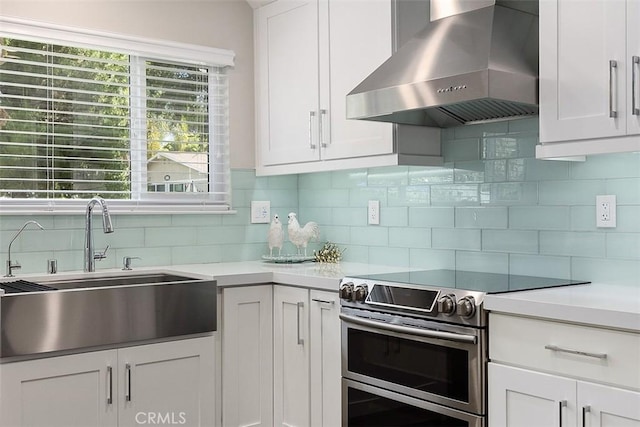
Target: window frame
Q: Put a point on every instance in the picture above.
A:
(141, 50)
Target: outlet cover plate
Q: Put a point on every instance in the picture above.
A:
(606, 211)
(260, 212)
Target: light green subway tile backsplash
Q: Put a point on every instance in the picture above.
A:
(510, 241)
(481, 217)
(455, 238)
(410, 237)
(389, 256)
(573, 244)
(491, 207)
(540, 265)
(486, 262)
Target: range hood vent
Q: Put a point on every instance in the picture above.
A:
(476, 66)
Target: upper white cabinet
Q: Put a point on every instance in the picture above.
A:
(309, 55)
(589, 77)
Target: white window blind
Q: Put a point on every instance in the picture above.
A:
(77, 120)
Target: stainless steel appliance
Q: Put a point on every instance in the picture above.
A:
(414, 346)
(475, 61)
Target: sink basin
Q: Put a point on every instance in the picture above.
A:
(119, 279)
(105, 309)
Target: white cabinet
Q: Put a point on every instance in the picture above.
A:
(247, 356)
(281, 357)
(309, 55)
(557, 374)
(306, 355)
(525, 398)
(171, 381)
(588, 98)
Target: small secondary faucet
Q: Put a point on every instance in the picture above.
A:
(89, 255)
(11, 265)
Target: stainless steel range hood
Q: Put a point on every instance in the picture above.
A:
(462, 68)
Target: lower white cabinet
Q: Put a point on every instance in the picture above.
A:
(164, 383)
(525, 398)
(281, 357)
(556, 374)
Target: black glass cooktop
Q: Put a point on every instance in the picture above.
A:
(491, 283)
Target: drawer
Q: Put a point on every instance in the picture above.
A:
(603, 355)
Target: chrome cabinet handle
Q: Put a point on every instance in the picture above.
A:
(585, 410)
(300, 308)
(312, 114)
(561, 404)
(613, 65)
(127, 378)
(109, 385)
(321, 127)
(578, 352)
(322, 301)
(427, 333)
(635, 65)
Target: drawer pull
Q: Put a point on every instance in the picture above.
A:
(561, 404)
(578, 352)
(585, 411)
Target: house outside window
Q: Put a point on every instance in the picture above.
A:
(141, 123)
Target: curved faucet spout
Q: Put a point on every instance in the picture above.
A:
(107, 227)
(10, 265)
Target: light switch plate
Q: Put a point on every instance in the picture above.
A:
(260, 212)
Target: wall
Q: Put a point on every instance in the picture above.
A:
(492, 208)
(226, 24)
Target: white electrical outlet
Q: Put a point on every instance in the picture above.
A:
(260, 212)
(373, 212)
(606, 211)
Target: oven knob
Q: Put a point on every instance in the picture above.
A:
(360, 293)
(346, 291)
(447, 304)
(466, 307)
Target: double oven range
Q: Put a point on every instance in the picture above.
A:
(414, 346)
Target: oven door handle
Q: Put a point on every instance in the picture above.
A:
(427, 333)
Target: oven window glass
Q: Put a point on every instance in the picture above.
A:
(366, 409)
(431, 368)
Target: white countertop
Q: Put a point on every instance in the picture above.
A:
(599, 304)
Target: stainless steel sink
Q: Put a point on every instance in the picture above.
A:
(97, 310)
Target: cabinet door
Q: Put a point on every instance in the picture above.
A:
(287, 63)
(290, 356)
(355, 39)
(633, 76)
(603, 406)
(63, 391)
(167, 383)
(521, 398)
(324, 336)
(247, 356)
(578, 87)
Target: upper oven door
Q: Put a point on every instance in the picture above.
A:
(436, 362)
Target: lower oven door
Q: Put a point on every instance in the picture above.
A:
(366, 405)
(436, 362)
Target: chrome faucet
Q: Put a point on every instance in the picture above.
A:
(11, 265)
(90, 256)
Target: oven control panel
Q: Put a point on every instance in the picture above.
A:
(449, 305)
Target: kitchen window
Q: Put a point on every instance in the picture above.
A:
(142, 123)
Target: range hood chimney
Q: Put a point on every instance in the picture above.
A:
(476, 61)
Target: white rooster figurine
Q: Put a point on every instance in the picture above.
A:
(300, 236)
(276, 235)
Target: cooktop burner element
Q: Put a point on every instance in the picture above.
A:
(451, 296)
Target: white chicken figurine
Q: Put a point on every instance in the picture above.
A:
(276, 235)
(300, 236)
